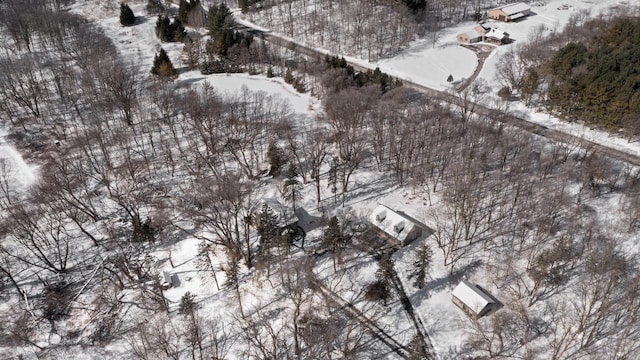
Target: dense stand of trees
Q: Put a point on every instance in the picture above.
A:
(127, 17)
(584, 73)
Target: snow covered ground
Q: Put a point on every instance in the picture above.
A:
(431, 66)
(423, 63)
(12, 166)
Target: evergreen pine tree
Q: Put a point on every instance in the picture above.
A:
(333, 177)
(267, 229)
(219, 18)
(291, 187)
(154, 6)
(183, 11)
(333, 239)
(127, 18)
(244, 5)
(384, 274)
(276, 158)
(333, 236)
(163, 28)
(418, 349)
(162, 65)
(178, 30)
(422, 264)
(529, 86)
(142, 230)
(187, 304)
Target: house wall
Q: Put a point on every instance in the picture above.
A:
(414, 234)
(465, 308)
(463, 38)
(498, 14)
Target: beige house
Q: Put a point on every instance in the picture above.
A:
(472, 36)
(509, 12)
(484, 33)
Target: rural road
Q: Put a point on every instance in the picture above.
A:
(490, 113)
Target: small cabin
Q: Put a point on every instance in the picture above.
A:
(472, 300)
(496, 36)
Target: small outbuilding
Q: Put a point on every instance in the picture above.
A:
(169, 280)
(509, 12)
(472, 300)
(398, 225)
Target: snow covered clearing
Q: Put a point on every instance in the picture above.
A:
(14, 168)
(431, 66)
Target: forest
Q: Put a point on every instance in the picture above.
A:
(135, 163)
(589, 74)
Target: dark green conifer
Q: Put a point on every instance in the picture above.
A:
(127, 18)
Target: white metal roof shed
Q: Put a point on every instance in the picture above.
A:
(474, 298)
(515, 8)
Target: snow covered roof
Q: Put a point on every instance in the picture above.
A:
(513, 9)
(474, 298)
(391, 222)
(496, 34)
(285, 215)
(517, 16)
(472, 34)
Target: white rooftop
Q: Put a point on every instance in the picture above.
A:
(391, 222)
(512, 9)
(496, 34)
(471, 296)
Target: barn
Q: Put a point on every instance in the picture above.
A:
(509, 12)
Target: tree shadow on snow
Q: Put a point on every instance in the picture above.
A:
(441, 283)
(307, 221)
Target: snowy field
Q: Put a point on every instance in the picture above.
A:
(423, 63)
(431, 66)
(14, 168)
